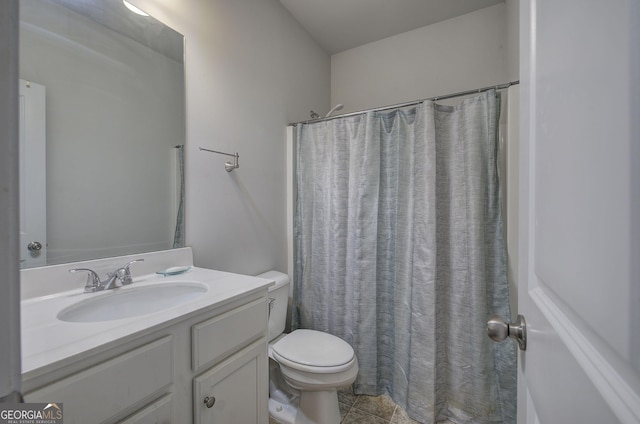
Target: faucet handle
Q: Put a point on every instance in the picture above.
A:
(126, 277)
(93, 280)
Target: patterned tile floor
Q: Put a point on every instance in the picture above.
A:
(361, 409)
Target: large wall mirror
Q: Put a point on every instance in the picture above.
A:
(102, 126)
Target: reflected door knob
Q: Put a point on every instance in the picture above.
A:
(498, 330)
(210, 401)
(34, 246)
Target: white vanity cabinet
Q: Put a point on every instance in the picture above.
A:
(120, 383)
(164, 374)
(231, 390)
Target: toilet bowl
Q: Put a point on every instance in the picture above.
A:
(306, 366)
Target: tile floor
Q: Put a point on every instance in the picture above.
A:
(361, 409)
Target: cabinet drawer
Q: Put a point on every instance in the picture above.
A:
(220, 336)
(102, 391)
(159, 412)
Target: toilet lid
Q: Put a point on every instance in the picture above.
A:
(314, 348)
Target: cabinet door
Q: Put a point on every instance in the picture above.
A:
(236, 390)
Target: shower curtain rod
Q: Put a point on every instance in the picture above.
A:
(415, 102)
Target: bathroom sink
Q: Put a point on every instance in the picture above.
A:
(132, 301)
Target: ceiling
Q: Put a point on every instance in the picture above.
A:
(339, 25)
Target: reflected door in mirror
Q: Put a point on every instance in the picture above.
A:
(33, 180)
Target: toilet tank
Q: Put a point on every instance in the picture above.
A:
(278, 307)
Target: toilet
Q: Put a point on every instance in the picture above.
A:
(306, 367)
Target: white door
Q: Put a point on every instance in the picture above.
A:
(33, 179)
(580, 211)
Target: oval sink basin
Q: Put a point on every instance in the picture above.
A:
(132, 301)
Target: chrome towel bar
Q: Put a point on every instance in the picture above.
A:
(227, 165)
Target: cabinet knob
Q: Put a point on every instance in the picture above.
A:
(209, 401)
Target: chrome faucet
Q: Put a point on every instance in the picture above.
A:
(120, 277)
(93, 280)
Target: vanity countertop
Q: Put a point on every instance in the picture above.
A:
(48, 341)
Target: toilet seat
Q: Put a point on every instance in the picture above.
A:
(314, 351)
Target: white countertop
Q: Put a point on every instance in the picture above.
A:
(46, 340)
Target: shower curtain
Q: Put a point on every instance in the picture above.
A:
(399, 251)
(178, 234)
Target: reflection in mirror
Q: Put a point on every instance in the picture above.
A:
(112, 118)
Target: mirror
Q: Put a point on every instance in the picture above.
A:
(113, 120)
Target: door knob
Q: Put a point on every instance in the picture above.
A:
(498, 330)
(34, 246)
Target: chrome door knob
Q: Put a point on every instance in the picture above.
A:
(498, 330)
(34, 246)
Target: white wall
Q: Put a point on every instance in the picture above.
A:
(250, 70)
(459, 54)
(512, 37)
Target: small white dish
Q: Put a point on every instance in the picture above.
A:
(174, 270)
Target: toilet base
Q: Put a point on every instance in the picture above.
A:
(313, 407)
(318, 407)
(284, 413)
